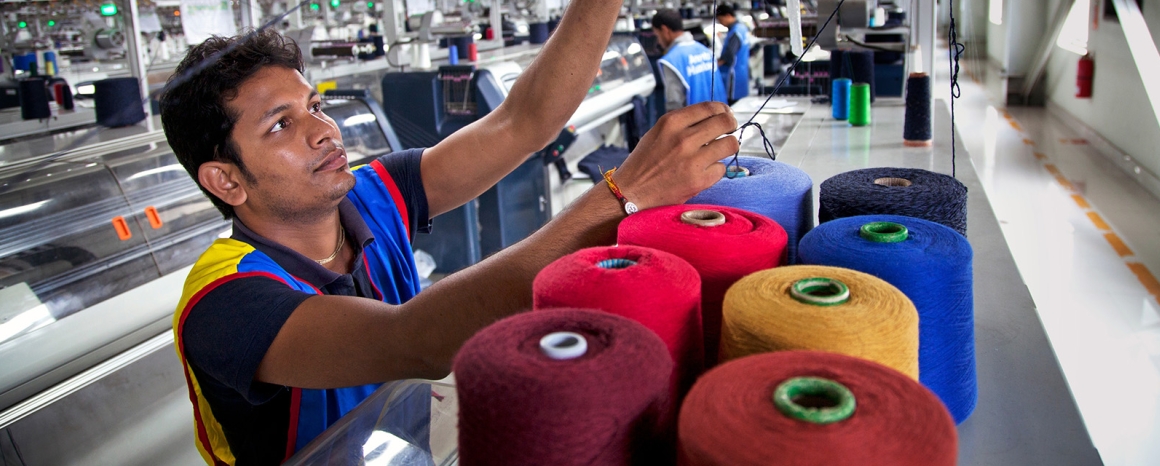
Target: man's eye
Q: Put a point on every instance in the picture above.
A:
(316, 107)
(279, 126)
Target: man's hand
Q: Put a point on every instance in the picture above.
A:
(680, 157)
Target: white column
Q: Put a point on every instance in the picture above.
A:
(925, 23)
(136, 52)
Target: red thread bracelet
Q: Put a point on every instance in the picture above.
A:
(629, 207)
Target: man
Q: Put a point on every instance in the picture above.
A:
(287, 325)
(687, 66)
(734, 60)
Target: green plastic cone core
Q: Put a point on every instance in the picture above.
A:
(815, 400)
(884, 232)
(820, 291)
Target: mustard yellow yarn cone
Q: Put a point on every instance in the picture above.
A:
(819, 308)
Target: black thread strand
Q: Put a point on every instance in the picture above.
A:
(955, 50)
(780, 82)
(713, 53)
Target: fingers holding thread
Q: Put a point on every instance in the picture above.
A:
(696, 113)
(719, 149)
(712, 129)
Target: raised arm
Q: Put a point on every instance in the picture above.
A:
(335, 341)
(476, 157)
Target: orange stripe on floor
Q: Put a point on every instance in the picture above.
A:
(1098, 221)
(1080, 201)
(1015, 124)
(1146, 278)
(1040, 156)
(1053, 169)
(1028, 142)
(1118, 244)
(1064, 182)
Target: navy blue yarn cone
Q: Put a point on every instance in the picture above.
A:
(34, 99)
(773, 189)
(538, 32)
(916, 126)
(933, 268)
(118, 102)
(862, 70)
(462, 43)
(895, 191)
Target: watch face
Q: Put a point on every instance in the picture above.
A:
(630, 208)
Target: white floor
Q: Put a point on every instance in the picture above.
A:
(1103, 323)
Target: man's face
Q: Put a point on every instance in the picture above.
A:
(293, 151)
(726, 20)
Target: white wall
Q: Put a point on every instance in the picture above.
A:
(1026, 25)
(1119, 109)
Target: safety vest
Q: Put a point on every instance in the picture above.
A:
(390, 265)
(694, 64)
(738, 75)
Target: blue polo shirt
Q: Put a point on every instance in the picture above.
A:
(244, 288)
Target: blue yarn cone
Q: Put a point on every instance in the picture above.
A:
(773, 189)
(933, 268)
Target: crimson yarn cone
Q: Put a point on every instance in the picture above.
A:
(740, 244)
(653, 287)
(730, 417)
(608, 406)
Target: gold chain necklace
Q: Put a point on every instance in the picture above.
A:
(341, 241)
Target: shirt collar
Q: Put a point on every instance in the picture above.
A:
(684, 37)
(303, 267)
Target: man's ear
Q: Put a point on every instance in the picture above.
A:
(223, 180)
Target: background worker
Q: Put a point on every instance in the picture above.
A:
(687, 66)
(734, 60)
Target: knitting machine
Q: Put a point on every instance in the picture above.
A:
(96, 242)
(428, 106)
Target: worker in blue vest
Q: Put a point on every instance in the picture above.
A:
(734, 60)
(687, 66)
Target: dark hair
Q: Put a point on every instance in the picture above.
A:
(725, 10)
(668, 18)
(193, 105)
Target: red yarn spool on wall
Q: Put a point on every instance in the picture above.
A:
(722, 243)
(655, 288)
(566, 387)
(806, 408)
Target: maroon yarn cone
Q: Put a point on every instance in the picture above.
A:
(653, 287)
(729, 417)
(517, 406)
(745, 243)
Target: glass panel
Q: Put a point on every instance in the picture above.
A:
(57, 225)
(402, 423)
(361, 133)
(624, 61)
(188, 220)
(62, 251)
